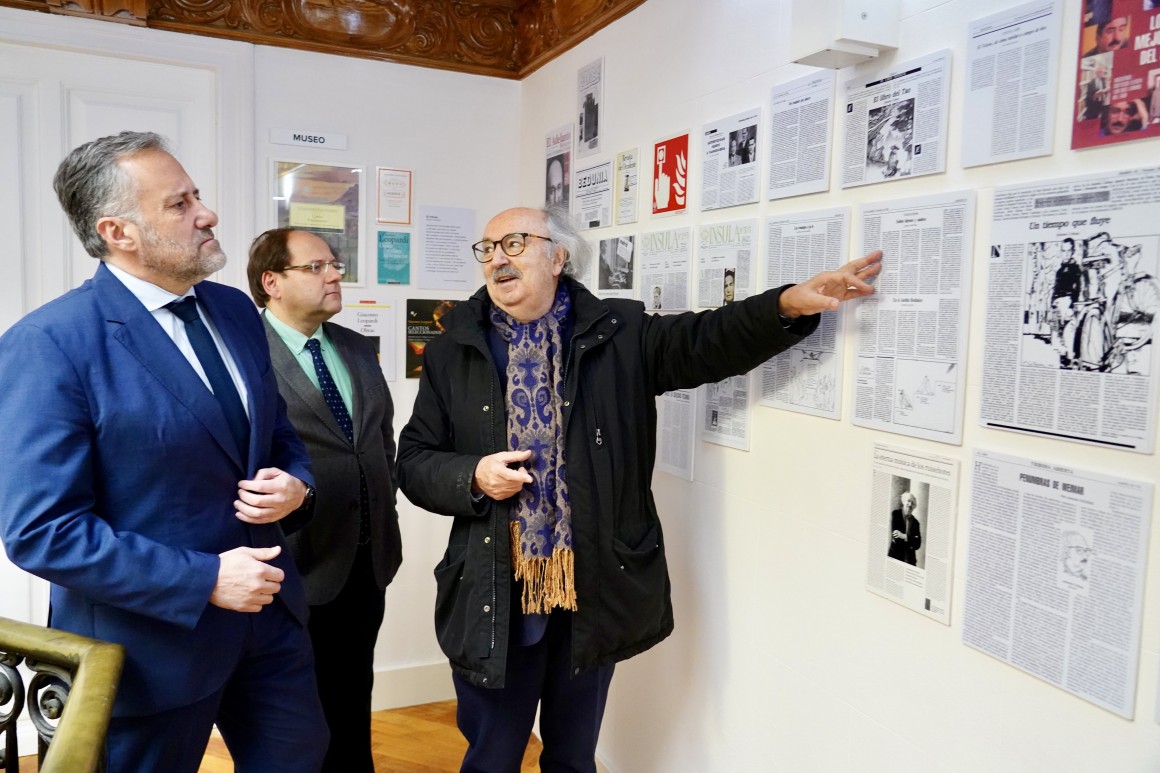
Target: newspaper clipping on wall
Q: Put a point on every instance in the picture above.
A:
(729, 150)
(911, 335)
(614, 267)
(725, 416)
(589, 108)
(912, 529)
(625, 183)
(558, 167)
(1012, 68)
(1072, 296)
(676, 437)
(896, 122)
(594, 196)
(801, 133)
(724, 261)
(664, 269)
(807, 377)
(1055, 574)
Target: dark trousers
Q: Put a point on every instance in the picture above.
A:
(268, 712)
(498, 723)
(344, 633)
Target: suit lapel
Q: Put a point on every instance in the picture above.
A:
(135, 328)
(242, 347)
(301, 387)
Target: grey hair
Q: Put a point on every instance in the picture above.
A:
(905, 495)
(91, 184)
(562, 231)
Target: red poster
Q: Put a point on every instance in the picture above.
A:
(671, 175)
(1118, 82)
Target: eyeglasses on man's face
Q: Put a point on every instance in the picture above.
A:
(512, 245)
(319, 267)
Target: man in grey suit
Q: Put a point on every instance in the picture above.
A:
(338, 402)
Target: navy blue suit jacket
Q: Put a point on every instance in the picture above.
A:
(119, 476)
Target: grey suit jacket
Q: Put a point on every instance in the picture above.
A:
(325, 549)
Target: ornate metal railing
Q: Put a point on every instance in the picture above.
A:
(69, 697)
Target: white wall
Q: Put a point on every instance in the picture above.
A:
(781, 661)
(459, 135)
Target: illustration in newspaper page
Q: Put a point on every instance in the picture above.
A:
(614, 267)
(911, 335)
(1072, 297)
(912, 529)
(671, 175)
(589, 108)
(807, 377)
(801, 133)
(1012, 68)
(664, 269)
(896, 122)
(1055, 574)
(724, 262)
(729, 148)
(725, 414)
(625, 185)
(1117, 95)
(676, 435)
(594, 196)
(558, 167)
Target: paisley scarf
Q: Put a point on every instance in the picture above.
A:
(541, 516)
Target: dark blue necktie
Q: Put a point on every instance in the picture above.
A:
(220, 381)
(329, 390)
(342, 416)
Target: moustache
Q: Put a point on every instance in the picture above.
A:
(506, 272)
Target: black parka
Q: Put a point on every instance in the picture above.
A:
(619, 359)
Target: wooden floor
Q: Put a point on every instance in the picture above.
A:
(417, 739)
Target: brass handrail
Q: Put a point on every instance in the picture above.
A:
(92, 668)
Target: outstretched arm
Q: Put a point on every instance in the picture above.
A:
(827, 290)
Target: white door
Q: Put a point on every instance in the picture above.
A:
(64, 82)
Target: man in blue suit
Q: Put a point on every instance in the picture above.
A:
(148, 463)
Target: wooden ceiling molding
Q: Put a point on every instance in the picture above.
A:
(501, 38)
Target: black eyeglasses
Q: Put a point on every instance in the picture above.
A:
(512, 245)
(318, 267)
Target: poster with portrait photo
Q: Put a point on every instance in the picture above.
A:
(589, 108)
(1117, 96)
(912, 528)
(614, 267)
(558, 168)
(725, 262)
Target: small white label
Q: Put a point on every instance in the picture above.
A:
(309, 139)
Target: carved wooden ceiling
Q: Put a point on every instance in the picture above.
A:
(504, 38)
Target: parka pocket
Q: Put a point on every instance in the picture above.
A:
(637, 589)
(450, 616)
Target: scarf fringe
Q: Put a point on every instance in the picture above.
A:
(548, 582)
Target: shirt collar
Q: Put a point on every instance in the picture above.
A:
(294, 339)
(150, 295)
